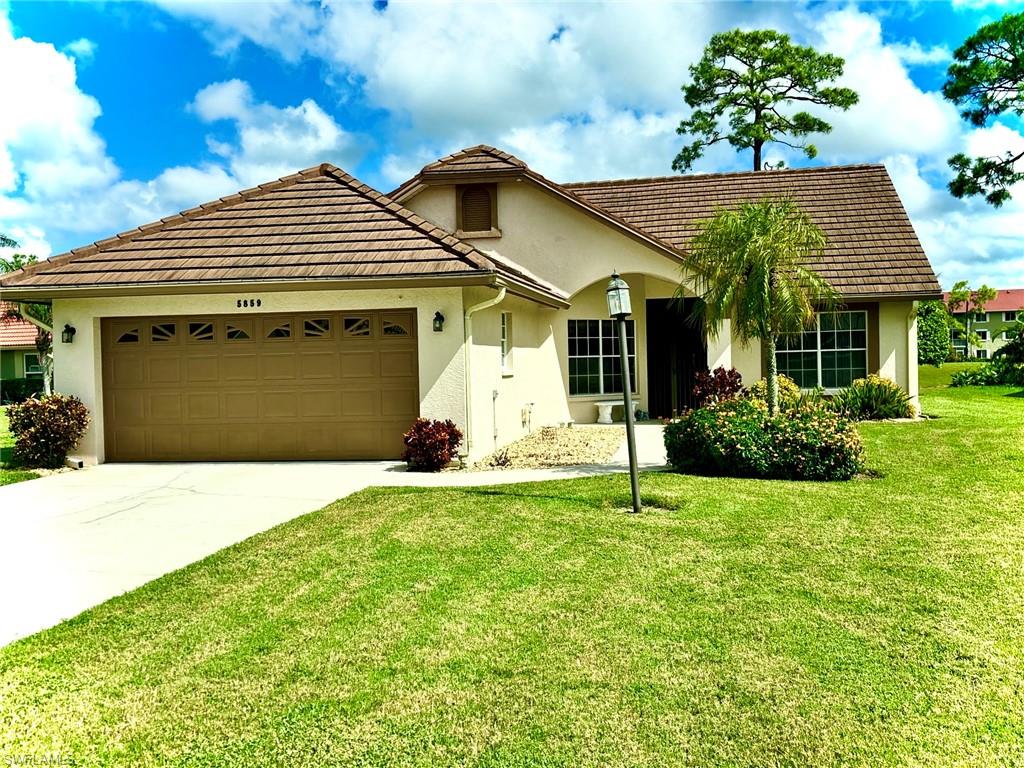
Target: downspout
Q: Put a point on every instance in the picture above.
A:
(467, 340)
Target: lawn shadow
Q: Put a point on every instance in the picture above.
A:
(1015, 394)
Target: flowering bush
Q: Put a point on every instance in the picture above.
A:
(430, 445)
(789, 392)
(738, 438)
(717, 385)
(45, 429)
(875, 397)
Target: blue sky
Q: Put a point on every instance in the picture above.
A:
(130, 111)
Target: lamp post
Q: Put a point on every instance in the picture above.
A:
(619, 309)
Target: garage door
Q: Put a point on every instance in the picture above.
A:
(259, 387)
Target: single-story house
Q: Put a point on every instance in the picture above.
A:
(315, 318)
(19, 358)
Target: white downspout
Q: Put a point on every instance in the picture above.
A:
(467, 340)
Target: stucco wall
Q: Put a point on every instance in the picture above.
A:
(897, 344)
(12, 362)
(509, 404)
(78, 369)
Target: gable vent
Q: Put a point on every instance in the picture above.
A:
(476, 209)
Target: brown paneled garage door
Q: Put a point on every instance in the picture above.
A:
(324, 385)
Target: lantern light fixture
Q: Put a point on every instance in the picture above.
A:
(438, 322)
(618, 297)
(68, 334)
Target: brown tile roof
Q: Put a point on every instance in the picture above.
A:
(15, 332)
(872, 251)
(1006, 300)
(487, 163)
(318, 224)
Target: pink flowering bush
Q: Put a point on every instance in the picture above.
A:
(737, 438)
(45, 429)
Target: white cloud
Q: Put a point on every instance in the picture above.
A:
(273, 141)
(83, 49)
(916, 54)
(58, 182)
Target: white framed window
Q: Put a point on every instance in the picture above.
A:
(830, 355)
(1006, 335)
(33, 367)
(1010, 316)
(506, 343)
(981, 317)
(594, 364)
(982, 354)
(983, 335)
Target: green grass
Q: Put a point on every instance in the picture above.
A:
(735, 622)
(8, 476)
(929, 377)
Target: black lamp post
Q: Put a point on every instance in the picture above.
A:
(619, 309)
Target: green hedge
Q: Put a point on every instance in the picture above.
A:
(20, 390)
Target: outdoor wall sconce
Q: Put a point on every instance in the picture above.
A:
(438, 322)
(68, 334)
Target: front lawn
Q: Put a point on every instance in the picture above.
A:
(736, 622)
(929, 377)
(8, 476)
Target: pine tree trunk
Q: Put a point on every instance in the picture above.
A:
(773, 376)
(757, 155)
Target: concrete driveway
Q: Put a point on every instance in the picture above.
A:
(73, 540)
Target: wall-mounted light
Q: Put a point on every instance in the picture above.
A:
(68, 334)
(438, 322)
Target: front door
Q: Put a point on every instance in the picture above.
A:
(675, 352)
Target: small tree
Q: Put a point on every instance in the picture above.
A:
(41, 313)
(986, 80)
(750, 265)
(963, 299)
(933, 342)
(747, 79)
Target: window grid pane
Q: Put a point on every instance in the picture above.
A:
(594, 365)
(831, 355)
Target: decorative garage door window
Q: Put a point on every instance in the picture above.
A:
(393, 327)
(317, 328)
(162, 332)
(277, 329)
(830, 355)
(357, 326)
(239, 330)
(201, 331)
(595, 367)
(130, 336)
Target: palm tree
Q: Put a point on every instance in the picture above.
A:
(750, 265)
(7, 242)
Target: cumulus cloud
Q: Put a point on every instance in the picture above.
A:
(83, 49)
(58, 181)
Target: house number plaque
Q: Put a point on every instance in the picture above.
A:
(249, 303)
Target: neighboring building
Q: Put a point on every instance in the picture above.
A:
(19, 358)
(314, 318)
(992, 326)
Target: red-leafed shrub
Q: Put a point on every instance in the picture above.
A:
(717, 385)
(45, 429)
(431, 444)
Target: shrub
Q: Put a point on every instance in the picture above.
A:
(717, 385)
(1013, 350)
(431, 445)
(999, 371)
(875, 397)
(789, 392)
(19, 390)
(45, 429)
(933, 344)
(738, 438)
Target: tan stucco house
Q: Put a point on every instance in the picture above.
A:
(315, 318)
